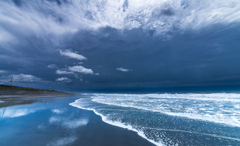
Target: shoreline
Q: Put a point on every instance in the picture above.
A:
(117, 124)
(90, 128)
(225, 136)
(35, 95)
(12, 100)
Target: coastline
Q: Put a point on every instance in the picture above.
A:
(56, 126)
(11, 100)
(90, 127)
(117, 124)
(14, 95)
(205, 135)
(35, 95)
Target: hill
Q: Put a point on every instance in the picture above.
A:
(15, 90)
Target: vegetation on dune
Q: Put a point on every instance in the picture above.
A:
(15, 90)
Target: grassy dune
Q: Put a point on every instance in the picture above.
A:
(15, 90)
(13, 95)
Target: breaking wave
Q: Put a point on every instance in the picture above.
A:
(171, 119)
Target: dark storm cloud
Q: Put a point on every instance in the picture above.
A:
(168, 12)
(183, 60)
(125, 5)
(17, 2)
(89, 45)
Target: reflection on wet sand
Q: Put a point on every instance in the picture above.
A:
(17, 101)
(53, 122)
(19, 110)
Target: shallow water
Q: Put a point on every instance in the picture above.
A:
(172, 119)
(53, 122)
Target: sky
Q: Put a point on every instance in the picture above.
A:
(81, 45)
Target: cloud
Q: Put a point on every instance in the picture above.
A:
(73, 55)
(97, 74)
(12, 113)
(63, 79)
(62, 141)
(52, 66)
(80, 69)
(5, 36)
(25, 78)
(62, 72)
(72, 124)
(18, 111)
(168, 12)
(58, 111)
(76, 69)
(201, 35)
(68, 17)
(41, 127)
(2, 71)
(123, 69)
(54, 119)
(68, 123)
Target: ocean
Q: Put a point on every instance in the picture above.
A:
(124, 120)
(192, 119)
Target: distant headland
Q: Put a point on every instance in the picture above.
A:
(6, 90)
(14, 95)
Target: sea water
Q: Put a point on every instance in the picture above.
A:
(172, 119)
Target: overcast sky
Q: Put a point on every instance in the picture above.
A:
(115, 44)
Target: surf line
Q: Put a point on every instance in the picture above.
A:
(212, 135)
(119, 124)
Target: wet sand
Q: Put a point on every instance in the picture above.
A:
(11, 100)
(52, 121)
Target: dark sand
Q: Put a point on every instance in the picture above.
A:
(99, 133)
(37, 129)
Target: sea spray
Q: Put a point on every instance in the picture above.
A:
(170, 119)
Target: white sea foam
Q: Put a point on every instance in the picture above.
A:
(218, 107)
(115, 109)
(184, 131)
(115, 123)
